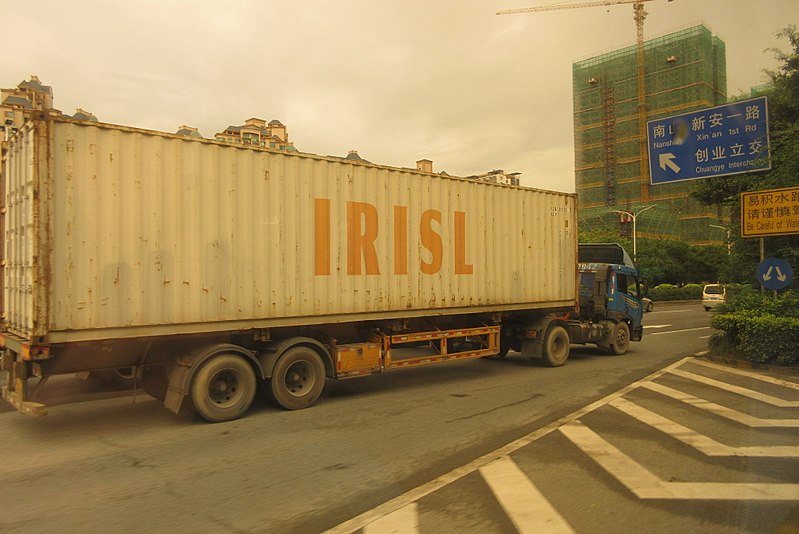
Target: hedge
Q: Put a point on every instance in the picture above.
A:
(759, 328)
(671, 292)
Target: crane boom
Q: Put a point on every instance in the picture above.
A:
(567, 5)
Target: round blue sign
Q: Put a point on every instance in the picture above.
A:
(774, 273)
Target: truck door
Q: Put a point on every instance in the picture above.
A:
(627, 301)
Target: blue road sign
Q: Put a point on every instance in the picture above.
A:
(728, 139)
(774, 273)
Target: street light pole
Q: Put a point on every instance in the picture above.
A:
(729, 243)
(634, 217)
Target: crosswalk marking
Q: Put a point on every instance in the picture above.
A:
(526, 507)
(402, 521)
(748, 374)
(700, 442)
(524, 504)
(419, 492)
(646, 485)
(722, 411)
(774, 401)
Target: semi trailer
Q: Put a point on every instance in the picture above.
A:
(207, 270)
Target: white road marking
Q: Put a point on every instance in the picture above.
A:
(646, 485)
(657, 325)
(370, 516)
(749, 374)
(700, 442)
(524, 504)
(402, 521)
(671, 311)
(679, 331)
(722, 411)
(762, 397)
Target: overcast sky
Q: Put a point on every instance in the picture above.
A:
(446, 80)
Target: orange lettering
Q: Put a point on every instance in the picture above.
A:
(461, 267)
(431, 241)
(321, 236)
(400, 240)
(361, 235)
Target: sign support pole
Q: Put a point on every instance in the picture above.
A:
(762, 257)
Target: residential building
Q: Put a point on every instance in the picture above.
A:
(499, 176)
(189, 131)
(256, 132)
(16, 103)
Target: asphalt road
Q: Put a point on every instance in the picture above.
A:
(378, 453)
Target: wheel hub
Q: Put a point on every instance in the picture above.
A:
(223, 389)
(299, 378)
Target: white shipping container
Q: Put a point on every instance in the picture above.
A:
(114, 232)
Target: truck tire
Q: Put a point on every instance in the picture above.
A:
(298, 378)
(223, 388)
(556, 346)
(620, 338)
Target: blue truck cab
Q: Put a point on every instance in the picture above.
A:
(610, 308)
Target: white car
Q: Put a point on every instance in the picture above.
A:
(713, 295)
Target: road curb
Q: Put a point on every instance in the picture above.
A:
(746, 364)
(676, 302)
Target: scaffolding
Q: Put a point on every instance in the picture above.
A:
(684, 71)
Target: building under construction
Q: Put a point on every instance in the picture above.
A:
(684, 71)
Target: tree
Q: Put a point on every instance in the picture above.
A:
(783, 109)
(663, 261)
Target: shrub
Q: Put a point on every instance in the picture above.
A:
(671, 292)
(759, 327)
(767, 338)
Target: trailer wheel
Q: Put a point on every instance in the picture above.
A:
(223, 388)
(556, 346)
(620, 340)
(298, 378)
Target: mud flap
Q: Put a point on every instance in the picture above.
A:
(178, 387)
(532, 348)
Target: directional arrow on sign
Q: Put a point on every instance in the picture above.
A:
(667, 160)
(774, 273)
(780, 275)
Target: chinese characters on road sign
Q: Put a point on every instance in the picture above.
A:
(772, 212)
(729, 139)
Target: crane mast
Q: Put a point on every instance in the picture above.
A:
(639, 14)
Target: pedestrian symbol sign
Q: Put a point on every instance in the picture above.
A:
(718, 141)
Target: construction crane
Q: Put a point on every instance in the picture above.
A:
(639, 16)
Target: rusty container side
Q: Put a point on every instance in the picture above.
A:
(19, 232)
(155, 234)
